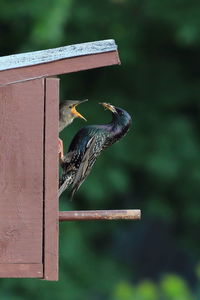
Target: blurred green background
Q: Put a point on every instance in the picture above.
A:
(156, 167)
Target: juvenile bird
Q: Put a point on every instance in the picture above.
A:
(67, 113)
(87, 145)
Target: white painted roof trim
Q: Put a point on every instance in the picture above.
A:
(44, 56)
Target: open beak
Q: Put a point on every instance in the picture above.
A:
(76, 113)
(108, 106)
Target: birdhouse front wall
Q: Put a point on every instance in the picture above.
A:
(24, 178)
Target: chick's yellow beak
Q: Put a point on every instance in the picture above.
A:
(76, 113)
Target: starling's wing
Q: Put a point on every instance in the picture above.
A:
(65, 183)
(82, 152)
(85, 167)
(68, 173)
(67, 159)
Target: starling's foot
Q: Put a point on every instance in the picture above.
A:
(60, 150)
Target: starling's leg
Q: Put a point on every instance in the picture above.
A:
(60, 150)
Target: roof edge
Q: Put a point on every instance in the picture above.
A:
(43, 56)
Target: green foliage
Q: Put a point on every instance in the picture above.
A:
(147, 290)
(175, 288)
(171, 287)
(124, 291)
(155, 167)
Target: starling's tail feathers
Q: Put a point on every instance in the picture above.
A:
(65, 183)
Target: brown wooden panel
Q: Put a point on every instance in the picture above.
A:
(60, 67)
(21, 270)
(21, 172)
(51, 180)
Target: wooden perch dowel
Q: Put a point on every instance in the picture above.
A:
(85, 215)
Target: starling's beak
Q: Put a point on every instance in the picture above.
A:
(75, 112)
(109, 106)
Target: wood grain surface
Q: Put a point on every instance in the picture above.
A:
(21, 270)
(21, 173)
(51, 179)
(63, 66)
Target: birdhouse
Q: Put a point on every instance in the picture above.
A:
(29, 103)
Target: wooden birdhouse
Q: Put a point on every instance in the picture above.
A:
(29, 103)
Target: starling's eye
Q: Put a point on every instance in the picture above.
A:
(71, 106)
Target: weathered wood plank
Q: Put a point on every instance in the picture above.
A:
(64, 66)
(21, 172)
(51, 180)
(21, 270)
(49, 55)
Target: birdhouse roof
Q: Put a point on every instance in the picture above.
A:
(67, 59)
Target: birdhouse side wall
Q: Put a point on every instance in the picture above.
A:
(21, 178)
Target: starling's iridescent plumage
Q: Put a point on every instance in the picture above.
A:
(87, 145)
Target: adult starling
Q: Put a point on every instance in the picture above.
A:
(87, 145)
(67, 113)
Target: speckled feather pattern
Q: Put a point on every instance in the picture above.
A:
(87, 145)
